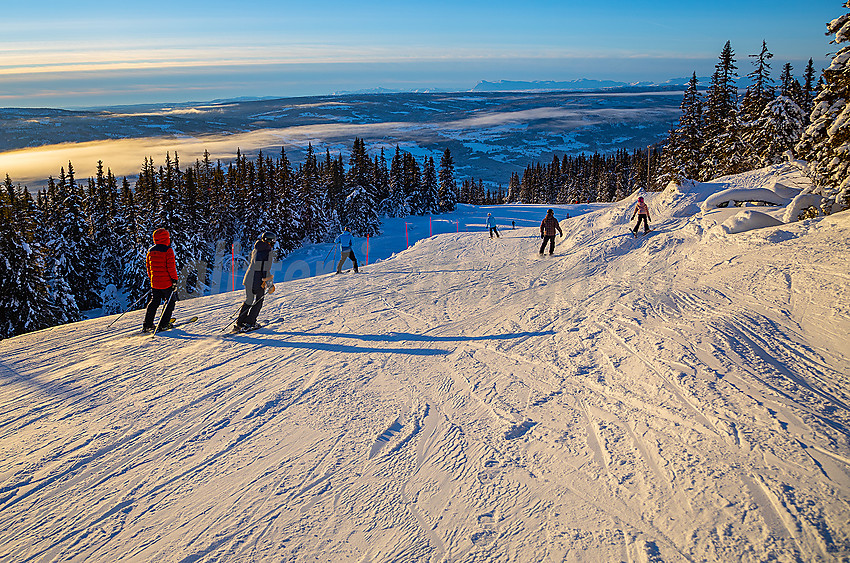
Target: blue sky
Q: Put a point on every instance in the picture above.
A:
(87, 52)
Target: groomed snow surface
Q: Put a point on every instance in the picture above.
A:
(680, 396)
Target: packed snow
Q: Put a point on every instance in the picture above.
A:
(676, 396)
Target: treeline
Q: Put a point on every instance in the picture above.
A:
(584, 178)
(65, 248)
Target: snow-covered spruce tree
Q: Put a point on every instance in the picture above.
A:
(414, 200)
(134, 277)
(25, 298)
(825, 144)
(395, 204)
(790, 86)
(430, 187)
(720, 125)
(77, 254)
(682, 157)
(760, 93)
(360, 212)
(448, 184)
(513, 189)
(809, 91)
(360, 216)
(776, 131)
(290, 227)
(312, 199)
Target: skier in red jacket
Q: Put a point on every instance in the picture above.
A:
(162, 272)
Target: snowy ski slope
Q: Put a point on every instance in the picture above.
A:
(680, 396)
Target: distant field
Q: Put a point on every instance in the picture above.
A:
(490, 135)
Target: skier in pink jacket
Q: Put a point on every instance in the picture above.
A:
(642, 212)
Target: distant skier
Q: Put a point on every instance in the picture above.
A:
(513, 225)
(346, 251)
(491, 224)
(547, 231)
(257, 280)
(162, 273)
(642, 212)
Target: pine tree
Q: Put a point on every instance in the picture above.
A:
(826, 142)
(360, 213)
(25, 293)
(76, 256)
(808, 91)
(777, 130)
(683, 149)
(756, 98)
(720, 123)
(448, 185)
(430, 188)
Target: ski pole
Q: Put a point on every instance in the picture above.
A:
(167, 303)
(129, 308)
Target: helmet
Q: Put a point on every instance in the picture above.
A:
(640, 199)
(268, 237)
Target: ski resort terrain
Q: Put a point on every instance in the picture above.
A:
(680, 395)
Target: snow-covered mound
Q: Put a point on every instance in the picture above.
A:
(679, 396)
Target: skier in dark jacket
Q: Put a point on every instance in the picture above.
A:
(642, 212)
(547, 231)
(162, 273)
(257, 280)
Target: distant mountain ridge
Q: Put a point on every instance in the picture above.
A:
(580, 85)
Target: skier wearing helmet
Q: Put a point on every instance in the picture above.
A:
(642, 212)
(162, 272)
(257, 280)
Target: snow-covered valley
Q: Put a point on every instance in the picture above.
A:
(679, 396)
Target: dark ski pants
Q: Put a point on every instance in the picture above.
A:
(254, 297)
(343, 256)
(494, 230)
(643, 218)
(551, 240)
(157, 297)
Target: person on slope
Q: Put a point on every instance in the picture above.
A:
(257, 280)
(491, 224)
(346, 251)
(642, 212)
(162, 273)
(547, 231)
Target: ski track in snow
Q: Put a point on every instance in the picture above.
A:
(681, 396)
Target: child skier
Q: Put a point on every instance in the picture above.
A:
(346, 251)
(642, 212)
(257, 280)
(162, 273)
(547, 231)
(491, 224)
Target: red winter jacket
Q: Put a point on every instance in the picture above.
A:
(162, 270)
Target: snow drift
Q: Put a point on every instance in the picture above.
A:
(680, 396)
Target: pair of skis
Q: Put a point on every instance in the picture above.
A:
(170, 326)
